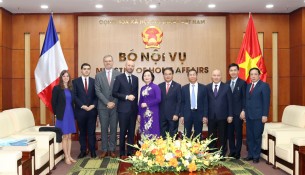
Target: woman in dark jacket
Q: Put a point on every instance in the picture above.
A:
(62, 104)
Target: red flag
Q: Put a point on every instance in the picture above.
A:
(250, 54)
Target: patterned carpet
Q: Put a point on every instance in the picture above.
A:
(88, 166)
(108, 166)
(240, 167)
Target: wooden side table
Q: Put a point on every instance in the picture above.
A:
(27, 162)
(302, 162)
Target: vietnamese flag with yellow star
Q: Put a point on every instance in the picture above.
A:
(250, 54)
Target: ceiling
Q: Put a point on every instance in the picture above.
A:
(74, 6)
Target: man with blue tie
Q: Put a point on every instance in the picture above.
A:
(220, 110)
(85, 110)
(194, 105)
(238, 87)
(257, 110)
(125, 89)
(107, 106)
(170, 103)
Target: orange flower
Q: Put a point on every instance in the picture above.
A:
(178, 153)
(144, 146)
(160, 160)
(173, 162)
(195, 148)
(192, 167)
(154, 151)
(160, 152)
(138, 153)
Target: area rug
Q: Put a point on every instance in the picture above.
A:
(88, 166)
(239, 167)
(109, 166)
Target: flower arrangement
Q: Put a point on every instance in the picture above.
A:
(169, 155)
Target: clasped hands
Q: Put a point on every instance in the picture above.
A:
(130, 97)
(87, 108)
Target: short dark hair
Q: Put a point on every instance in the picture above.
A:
(152, 75)
(233, 65)
(84, 64)
(255, 68)
(168, 68)
(188, 72)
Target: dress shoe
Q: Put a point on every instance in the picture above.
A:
(82, 155)
(248, 158)
(231, 155)
(255, 160)
(104, 154)
(112, 154)
(237, 156)
(93, 154)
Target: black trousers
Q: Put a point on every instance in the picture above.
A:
(218, 129)
(127, 123)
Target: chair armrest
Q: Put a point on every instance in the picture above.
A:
(41, 139)
(9, 161)
(299, 141)
(284, 137)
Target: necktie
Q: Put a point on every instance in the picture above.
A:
(86, 86)
(232, 85)
(252, 87)
(167, 87)
(193, 99)
(129, 80)
(108, 77)
(215, 90)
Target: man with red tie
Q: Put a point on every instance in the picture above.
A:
(170, 103)
(257, 110)
(85, 110)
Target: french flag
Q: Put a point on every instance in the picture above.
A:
(49, 66)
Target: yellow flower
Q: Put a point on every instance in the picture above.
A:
(173, 162)
(192, 167)
(138, 153)
(160, 160)
(207, 163)
(144, 146)
(178, 153)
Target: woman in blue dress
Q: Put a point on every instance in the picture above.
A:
(62, 104)
(150, 97)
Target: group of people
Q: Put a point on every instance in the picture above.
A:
(113, 97)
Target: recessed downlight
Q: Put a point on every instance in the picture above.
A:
(211, 6)
(98, 6)
(44, 6)
(153, 6)
(269, 6)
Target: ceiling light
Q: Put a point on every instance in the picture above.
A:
(98, 6)
(44, 6)
(153, 6)
(269, 6)
(1, 1)
(211, 6)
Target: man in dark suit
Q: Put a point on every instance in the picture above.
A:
(257, 110)
(169, 107)
(194, 105)
(220, 110)
(85, 110)
(107, 106)
(125, 89)
(238, 88)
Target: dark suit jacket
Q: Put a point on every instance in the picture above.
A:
(170, 102)
(59, 101)
(81, 97)
(202, 102)
(121, 89)
(238, 96)
(221, 105)
(257, 103)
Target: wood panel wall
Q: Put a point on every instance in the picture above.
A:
(34, 24)
(6, 83)
(266, 24)
(291, 42)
